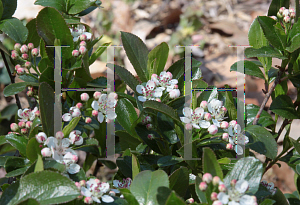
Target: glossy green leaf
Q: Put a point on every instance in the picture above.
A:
(9, 111)
(126, 114)
(33, 149)
(33, 36)
(179, 181)
(129, 197)
(9, 8)
(250, 69)
(39, 166)
(265, 51)
(264, 143)
(78, 176)
(279, 198)
(19, 142)
(265, 118)
(283, 105)
(98, 53)
(15, 88)
(17, 172)
(137, 53)
(127, 141)
(177, 68)
(46, 100)
(173, 199)
(135, 166)
(29, 202)
(71, 126)
(43, 187)
(166, 128)
(294, 38)
(268, 202)
(145, 184)
(295, 79)
(76, 6)
(52, 164)
(168, 161)
(160, 55)
(248, 168)
(276, 5)
(13, 163)
(60, 5)
(210, 163)
(15, 29)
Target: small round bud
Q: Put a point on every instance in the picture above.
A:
(279, 15)
(82, 37)
(190, 200)
(148, 119)
(154, 75)
(293, 15)
(281, 10)
(24, 49)
(97, 95)
(222, 188)
(17, 66)
(35, 52)
(291, 10)
(207, 117)
(188, 126)
(30, 46)
(217, 203)
(232, 123)
(24, 56)
(207, 177)
(84, 97)
(112, 193)
(88, 200)
(150, 136)
(17, 46)
(14, 127)
(74, 158)
(285, 13)
(149, 126)
(214, 196)
(225, 137)
(203, 104)
(29, 93)
(169, 74)
(88, 120)
(97, 181)
(229, 146)
(82, 43)
(14, 55)
(28, 124)
(46, 152)
(158, 100)
(78, 185)
(233, 182)
(94, 113)
(27, 64)
(59, 135)
(213, 129)
(75, 53)
(22, 124)
(175, 93)
(41, 137)
(82, 50)
(79, 105)
(224, 125)
(286, 19)
(24, 131)
(274, 17)
(202, 186)
(216, 180)
(175, 86)
(223, 109)
(37, 113)
(82, 183)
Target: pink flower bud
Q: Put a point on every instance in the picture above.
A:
(207, 177)
(217, 203)
(274, 17)
(24, 131)
(59, 135)
(291, 10)
(203, 104)
(233, 182)
(37, 113)
(88, 120)
(24, 49)
(82, 182)
(82, 43)
(293, 15)
(75, 53)
(148, 119)
(213, 129)
(224, 125)
(82, 37)
(281, 10)
(41, 137)
(207, 117)
(17, 66)
(158, 100)
(224, 109)
(84, 97)
(29, 93)
(97, 181)
(95, 113)
(17, 46)
(82, 50)
(46, 152)
(74, 158)
(88, 200)
(154, 75)
(24, 56)
(188, 126)
(27, 64)
(78, 185)
(225, 137)
(216, 180)
(285, 13)
(229, 146)
(28, 124)
(222, 188)
(232, 123)
(30, 46)
(20, 71)
(214, 196)
(169, 75)
(22, 124)
(97, 95)
(41, 146)
(79, 105)
(175, 93)
(190, 200)
(35, 52)
(202, 186)
(14, 127)
(286, 19)
(149, 126)
(150, 136)
(14, 55)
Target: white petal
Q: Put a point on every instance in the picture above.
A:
(187, 112)
(116, 183)
(140, 89)
(216, 122)
(95, 105)
(230, 131)
(107, 199)
(51, 142)
(173, 81)
(157, 93)
(85, 192)
(111, 115)
(246, 200)
(233, 203)
(67, 117)
(241, 186)
(80, 141)
(150, 85)
(100, 117)
(237, 129)
(199, 111)
(116, 191)
(223, 197)
(96, 199)
(142, 98)
(204, 124)
(196, 126)
(73, 168)
(239, 150)
(65, 142)
(185, 119)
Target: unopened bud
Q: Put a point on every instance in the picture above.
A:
(22, 124)
(24, 49)
(207, 177)
(78, 185)
(41, 137)
(35, 52)
(14, 127)
(149, 126)
(59, 135)
(20, 71)
(29, 93)
(203, 104)
(190, 200)
(188, 126)
(233, 182)
(95, 113)
(169, 74)
(217, 203)
(88, 120)
(286, 19)
(24, 131)
(232, 123)
(229, 146)
(75, 53)
(37, 113)
(281, 10)
(24, 56)
(82, 37)
(46, 152)
(207, 117)
(285, 13)
(225, 137)
(82, 43)
(216, 180)
(222, 188)
(158, 100)
(293, 15)
(82, 183)
(27, 64)
(213, 129)
(150, 136)
(224, 125)
(17, 46)
(274, 17)
(175, 93)
(82, 50)
(84, 97)
(214, 196)
(30, 46)
(79, 105)
(28, 124)
(202, 186)
(97, 95)
(88, 200)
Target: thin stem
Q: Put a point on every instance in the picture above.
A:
(12, 77)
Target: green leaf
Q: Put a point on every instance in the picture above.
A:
(76, 6)
(135, 166)
(46, 100)
(264, 142)
(125, 75)
(33, 149)
(33, 36)
(129, 197)
(13, 163)
(54, 165)
(265, 51)
(177, 68)
(137, 53)
(230, 105)
(29, 202)
(17, 172)
(9, 8)
(98, 82)
(145, 184)
(127, 141)
(295, 78)
(267, 25)
(160, 55)
(250, 69)
(43, 187)
(39, 166)
(265, 118)
(276, 5)
(60, 5)
(200, 194)
(78, 176)
(294, 38)
(15, 88)
(280, 198)
(98, 53)
(1, 9)
(210, 163)
(15, 29)
(248, 168)
(168, 161)
(268, 202)
(283, 105)
(9, 111)
(2, 141)
(173, 199)
(71, 126)
(179, 181)
(19, 142)
(126, 114)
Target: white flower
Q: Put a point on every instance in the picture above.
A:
(79, 30)
(27, 114)
(96, 189)
(192, 176)
(105, 107)
(237, 138)
(75, 137)
(125, 184)
(164, 80)
(73, 112)
(70, 160)
(192, 117)
(148, 91)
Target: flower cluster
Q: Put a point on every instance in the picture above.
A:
(233, 195)
(24, 54)
(94, 190)
(25, 122)
(58, 148)
(79, 34)
(285, 14)
(269, 186)
(154, 88)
